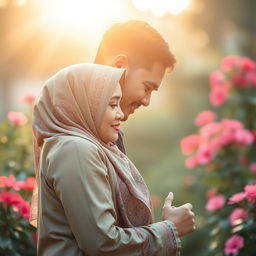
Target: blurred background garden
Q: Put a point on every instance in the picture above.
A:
(215, 46)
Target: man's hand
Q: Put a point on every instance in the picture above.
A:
(182, 216)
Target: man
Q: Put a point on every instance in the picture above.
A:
(142, 51)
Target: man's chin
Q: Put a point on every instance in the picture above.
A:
(125, 118)
(126, 115)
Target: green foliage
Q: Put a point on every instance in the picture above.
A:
(16, 233)
(16, 149)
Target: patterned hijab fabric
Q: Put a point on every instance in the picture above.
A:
(73, 102)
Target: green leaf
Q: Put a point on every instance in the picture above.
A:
(5, 242)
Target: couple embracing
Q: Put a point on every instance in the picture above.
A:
(89, 197)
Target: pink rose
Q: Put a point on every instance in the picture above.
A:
(28, 184)
(239, 81)
(215, 203)
(190, 143)
(251, 77)
(253, 167)
(244, 137)
(229, 62)
(218, 95)
(237, 215)
(254, 135)
(210, 129)
(9, 182)
(10, 198)
(17, 118)
(191, 162)
(204, 118)
(247, 64)
(251, 193)
(233, 244)
(216, 78)
(236, 198)
(232, 125)
(28, 98)
(204, 155)
(24, 209)
(222, 140)
(17, 201)
(216, 143)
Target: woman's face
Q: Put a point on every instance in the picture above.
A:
(110, 125)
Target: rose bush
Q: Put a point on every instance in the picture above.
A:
(17, 236)
(224, 153)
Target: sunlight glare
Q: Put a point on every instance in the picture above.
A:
(141, 5)
(76, 12)
(3, 3)
(178, 6)
(20, 2)
(81, 15)
(162, 7)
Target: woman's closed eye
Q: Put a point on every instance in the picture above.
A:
(113, 105)
(114, 101)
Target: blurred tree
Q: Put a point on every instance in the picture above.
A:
(229, 23)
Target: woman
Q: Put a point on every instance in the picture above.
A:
(91, 199)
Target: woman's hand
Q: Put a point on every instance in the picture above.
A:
(182, 217)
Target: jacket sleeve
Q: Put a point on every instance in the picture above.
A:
(81, 182)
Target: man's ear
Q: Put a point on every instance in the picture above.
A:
(120, 61)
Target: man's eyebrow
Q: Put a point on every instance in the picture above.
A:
(152, 84)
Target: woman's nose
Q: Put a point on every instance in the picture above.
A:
(119, 114)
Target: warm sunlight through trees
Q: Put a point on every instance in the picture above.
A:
(81, 15)
(162, 7)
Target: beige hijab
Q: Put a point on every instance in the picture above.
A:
(73, 102)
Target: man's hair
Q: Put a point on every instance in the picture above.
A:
(139, 41)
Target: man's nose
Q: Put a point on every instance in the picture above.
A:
(146, 100)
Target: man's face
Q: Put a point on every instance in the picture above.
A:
(138, 86)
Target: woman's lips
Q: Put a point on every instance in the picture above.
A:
(116, 127)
